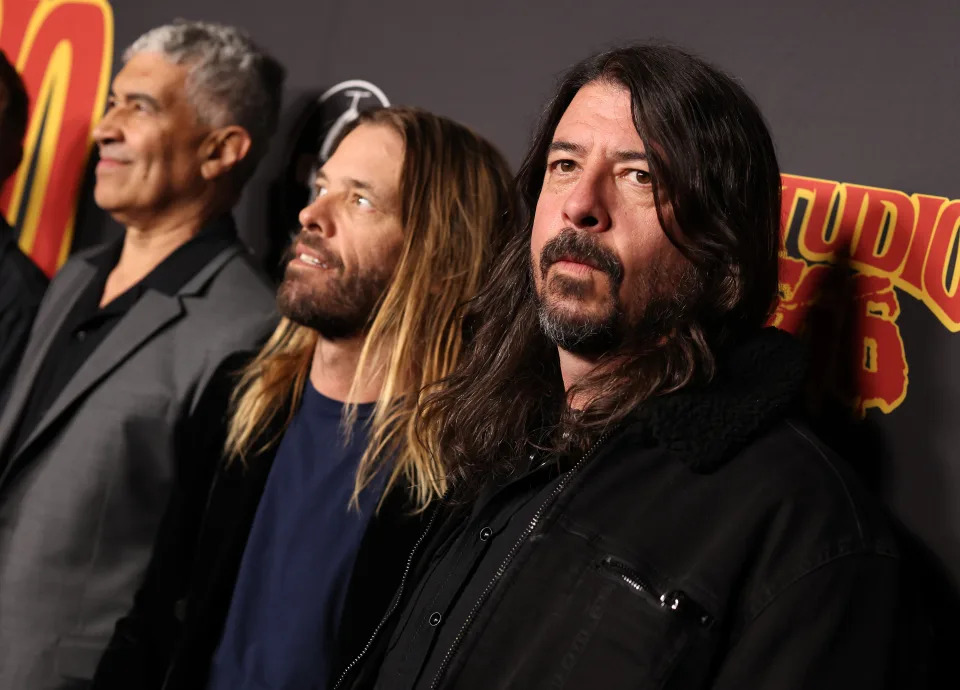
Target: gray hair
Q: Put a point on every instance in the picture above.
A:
(230, 81)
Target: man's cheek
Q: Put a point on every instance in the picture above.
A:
(535, 265)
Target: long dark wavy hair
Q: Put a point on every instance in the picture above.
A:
(716, 184)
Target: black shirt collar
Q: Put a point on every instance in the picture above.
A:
(173, 272)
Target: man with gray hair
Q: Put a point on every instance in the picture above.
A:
(116, 413)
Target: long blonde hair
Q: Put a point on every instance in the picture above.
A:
(456, 203)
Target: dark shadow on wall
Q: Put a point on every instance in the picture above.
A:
(929, 608)
(282, 186)
(267, 213)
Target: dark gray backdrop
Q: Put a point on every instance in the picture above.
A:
(858, 92)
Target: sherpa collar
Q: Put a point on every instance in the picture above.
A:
(756, 382)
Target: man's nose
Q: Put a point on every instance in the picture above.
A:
(586, 207)
(108, 128)
(316, 216)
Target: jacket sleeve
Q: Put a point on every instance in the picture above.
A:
(144, 640)
(834, 627)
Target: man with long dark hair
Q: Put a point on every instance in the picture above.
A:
(632, 503)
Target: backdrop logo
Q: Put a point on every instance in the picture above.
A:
(64, 51)
(321, 126)
(849, 248)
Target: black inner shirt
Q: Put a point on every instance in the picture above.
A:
(88, 324)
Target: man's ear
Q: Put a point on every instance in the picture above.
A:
(222, 150)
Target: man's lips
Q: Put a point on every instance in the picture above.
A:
(575, 264)
(305, 256)
(110, 163)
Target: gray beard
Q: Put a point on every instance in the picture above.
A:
(666, 299)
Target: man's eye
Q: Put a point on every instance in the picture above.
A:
(642, 176)
(564, 166)
(321, 191)
(362, 201)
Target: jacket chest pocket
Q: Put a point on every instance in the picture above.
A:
(622, 631)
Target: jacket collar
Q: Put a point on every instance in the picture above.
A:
(153, 312)
(757, 382)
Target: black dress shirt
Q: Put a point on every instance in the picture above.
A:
(455, 578)
(88, 324)
(22, 285)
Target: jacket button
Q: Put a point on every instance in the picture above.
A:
(485, 533)
(435, 618)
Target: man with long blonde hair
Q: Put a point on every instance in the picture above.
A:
(409, 212)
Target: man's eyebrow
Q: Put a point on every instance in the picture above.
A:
(578, 150)
(351, 182)
(141, 97)
(567, 147)
(358, 184)
(625, 156)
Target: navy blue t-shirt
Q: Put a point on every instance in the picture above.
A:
(281, 629)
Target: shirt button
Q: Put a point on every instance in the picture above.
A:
(485, 533)
(81, 335)
(435, 618)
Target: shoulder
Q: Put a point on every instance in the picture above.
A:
(238, 297)
(241, 285)
(230, 317)
(808, 512)
(791, 464)
(783, 498)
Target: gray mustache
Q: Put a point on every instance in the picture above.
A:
(581, 247)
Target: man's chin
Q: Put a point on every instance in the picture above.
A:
(302, 305)
(585, 308)
(295, 298)
(586, 332)
(108, 200)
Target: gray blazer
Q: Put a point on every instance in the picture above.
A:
(82, 499)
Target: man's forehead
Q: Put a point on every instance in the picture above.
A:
(372, 155)
(153, 74)
(599, 114)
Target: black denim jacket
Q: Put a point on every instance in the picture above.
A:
(713, 542)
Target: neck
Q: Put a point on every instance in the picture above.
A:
(573, 368)
(146, 244)
(333, 369)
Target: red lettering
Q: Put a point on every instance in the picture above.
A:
(884, 251)
(944, 299)
(928, 209)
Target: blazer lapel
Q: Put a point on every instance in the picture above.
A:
(152, 312)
